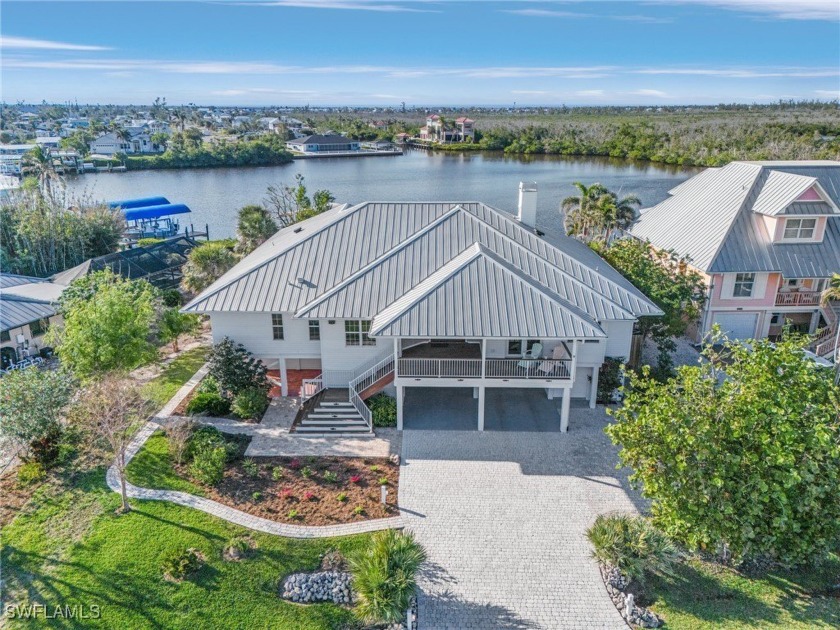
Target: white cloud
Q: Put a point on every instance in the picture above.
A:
(833, 94)
(344, 5)
(26, 43)
(647, 92)
(745, 73)
(780, 9)
(574, 15)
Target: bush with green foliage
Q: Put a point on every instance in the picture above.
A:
(206, 263)
(30, 473)
(383, 410)
(179, 565)
(208, 404)
(208, 465)
(148, 241)
(208, 385)
(250, 404)
(207, 437)
(31, 407)
(235, 369)
(172, 298)
(174, 324)
(739, 454)
(384, 576)
(632, 545)
(610, 378)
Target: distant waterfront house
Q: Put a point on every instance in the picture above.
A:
(323, 144)
(428, 294)
(378, 145)
(110, 144)
(766, 236)
(437, 129)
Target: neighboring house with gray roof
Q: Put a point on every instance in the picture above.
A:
(766, 237)
(330, 143)
(27, 310)
(427, 294)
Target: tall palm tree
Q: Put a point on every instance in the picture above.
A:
(38, 163)
(581, 216)
(832, 291)
(622, 212)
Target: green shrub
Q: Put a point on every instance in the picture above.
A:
(45, 448)
(208, 465)
(207, 437)
(330, 476)
(277, 473)
(256, 497)
(236, 369)
(383, 409)
(341, 497)
(31, 473)
(172, 298)
(609, 379)
(251, 468)
(178, 566)
(208, 385)
(306, 472)
(631, 544)
(149, 241)
(209, 404)
(250, 404)
(384, 576)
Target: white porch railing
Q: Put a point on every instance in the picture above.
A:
(528, 368)
(366, 380)
(311, 387)
(801, 298)
(439, 368)
(493, 368)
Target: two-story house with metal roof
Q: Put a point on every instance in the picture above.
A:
(427, 295)
(766, 236)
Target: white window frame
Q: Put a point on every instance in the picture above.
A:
(527, 344)
(314, 328)
(747, 278)
(799, 229)
(361, 333)
(277, 331)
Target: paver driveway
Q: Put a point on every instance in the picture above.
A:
(503, 515)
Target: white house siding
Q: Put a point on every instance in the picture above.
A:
(254, 331)
(620, 338)
(337, 355)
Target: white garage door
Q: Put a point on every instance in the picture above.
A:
(737, 325)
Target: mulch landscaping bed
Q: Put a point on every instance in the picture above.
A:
(304, 495)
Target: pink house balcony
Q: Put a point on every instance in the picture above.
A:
(800, 298)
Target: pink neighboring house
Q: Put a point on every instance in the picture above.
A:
(766, 236)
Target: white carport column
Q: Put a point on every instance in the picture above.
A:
(400, 396)
(564, 409)
(593, 392)
(481, 408)
(284, 379)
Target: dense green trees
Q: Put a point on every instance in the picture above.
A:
(254, 227)
(41, 234)
(206, 264)
(108, 328)
(187, 150)
(741, 453)
(597, 212)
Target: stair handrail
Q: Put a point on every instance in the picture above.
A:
(359, 384)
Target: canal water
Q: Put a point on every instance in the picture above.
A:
(215, 195)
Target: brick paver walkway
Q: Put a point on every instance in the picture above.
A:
(502, 516)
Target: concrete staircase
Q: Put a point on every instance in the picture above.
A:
(330, 413)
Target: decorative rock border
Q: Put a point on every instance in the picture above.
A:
(634, 615)
(219, 510)
(321, 586)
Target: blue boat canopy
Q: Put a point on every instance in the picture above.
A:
(154, 212)
(142, 202)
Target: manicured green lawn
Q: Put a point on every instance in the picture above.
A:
(68, 547)
(165, 386)
(703, 595)
(152, 468)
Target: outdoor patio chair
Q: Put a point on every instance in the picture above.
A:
(553, 367)
(529, 359)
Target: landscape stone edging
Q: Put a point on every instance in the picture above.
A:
(634, 616)
(219, 510)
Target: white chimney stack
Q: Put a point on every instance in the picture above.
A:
(527, 204)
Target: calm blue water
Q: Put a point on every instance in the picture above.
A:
(215, 195)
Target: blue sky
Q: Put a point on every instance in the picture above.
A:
(423, 52)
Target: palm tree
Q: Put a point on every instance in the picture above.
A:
(832, 291)
(38, 163)
(581, 216)
(622, 214)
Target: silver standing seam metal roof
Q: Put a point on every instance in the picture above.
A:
(24, 299)
(359, 261)
(715, 218)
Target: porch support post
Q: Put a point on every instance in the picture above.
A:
(397, 348)
(564, 409)
(483, 357)
(815, 321)
(593, 392)
(284, 378)
(481, 408)
(400, 395)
